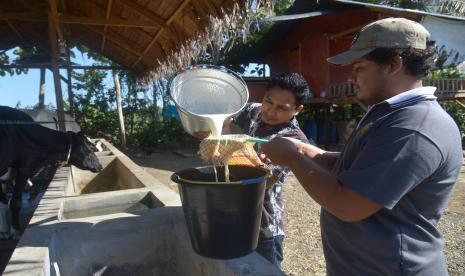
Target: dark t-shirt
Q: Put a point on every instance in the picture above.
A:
(405, 156)
(250, 123)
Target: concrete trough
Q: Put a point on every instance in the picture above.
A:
(115, 202)
(128, 224)
(104, 153)
(114, 176)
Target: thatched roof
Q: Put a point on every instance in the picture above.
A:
(147, 37)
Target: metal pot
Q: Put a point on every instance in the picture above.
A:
(207, 90)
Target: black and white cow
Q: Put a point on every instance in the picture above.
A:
(27, 148)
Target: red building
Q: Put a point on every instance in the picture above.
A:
(301, 40)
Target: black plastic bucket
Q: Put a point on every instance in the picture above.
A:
(223, 219)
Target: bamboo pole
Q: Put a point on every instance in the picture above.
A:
(119, 107)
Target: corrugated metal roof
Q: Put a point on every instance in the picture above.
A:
(378, 6)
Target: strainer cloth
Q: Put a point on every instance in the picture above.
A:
(235, 149)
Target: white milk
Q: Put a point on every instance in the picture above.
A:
(216, 153)
(226, 171)
(215, 122)
(216, 173)
(226, 167)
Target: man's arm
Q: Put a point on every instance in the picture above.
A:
(324, 159)
(393, 162)
(323, 187)
(326, 190)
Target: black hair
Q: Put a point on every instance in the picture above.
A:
(293, 82)
(417, 62)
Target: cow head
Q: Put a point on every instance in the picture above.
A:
(82, 153)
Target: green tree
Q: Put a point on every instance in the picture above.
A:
(227, 54)
(23, 54)
(93, 106)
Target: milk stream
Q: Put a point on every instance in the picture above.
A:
(215, 154)
(226, 167)
(215, 122)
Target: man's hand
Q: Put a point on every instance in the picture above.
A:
(280, 150)
(201, 134)
(227, 126)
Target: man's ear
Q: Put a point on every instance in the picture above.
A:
(397, 63)
(298, 109)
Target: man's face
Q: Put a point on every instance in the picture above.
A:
(369, 78)
(279, 106)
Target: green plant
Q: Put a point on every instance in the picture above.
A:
(307, 114)
(450, 72)
(457, 112)
(166, 133)
(455, 108)
(340, 112)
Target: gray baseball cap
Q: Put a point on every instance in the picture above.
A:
(385, 33)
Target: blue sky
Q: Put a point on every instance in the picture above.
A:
(24, 88)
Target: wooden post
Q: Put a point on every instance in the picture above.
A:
(56, 73)
(155, 98)
(42, 88)
(69, 83)
(70, 92)
(327, 127)
(119, 107)
(327, 67)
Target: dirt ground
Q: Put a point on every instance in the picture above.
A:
(303, 253)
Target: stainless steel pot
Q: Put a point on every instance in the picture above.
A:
(206, 90)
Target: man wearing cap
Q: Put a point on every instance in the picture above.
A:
(383, 195)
